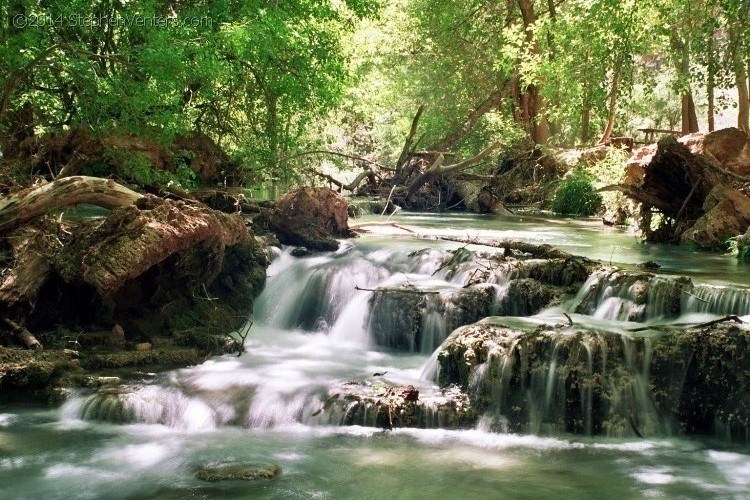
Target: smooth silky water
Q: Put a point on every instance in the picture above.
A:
(311, 332)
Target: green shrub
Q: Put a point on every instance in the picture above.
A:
(576, 195)
(739, 246)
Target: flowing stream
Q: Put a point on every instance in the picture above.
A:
(315, 330)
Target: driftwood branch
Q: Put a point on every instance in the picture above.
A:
(367, 174)
(30, 203)
(538, 251)
(728, 317)
(361, 227)
(23, 334)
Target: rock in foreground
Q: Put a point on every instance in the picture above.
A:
(243, 472)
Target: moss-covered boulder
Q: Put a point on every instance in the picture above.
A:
(572, 379)
(242, 472)
(309, 217)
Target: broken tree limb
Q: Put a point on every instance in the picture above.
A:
(491, 102)
(538, 251)
(437, 169)
(728, 317)
(360, 228)
(367, 174)
(397, 290)
(23, 334)
(335, 153)
(408, 143)
(33, 202)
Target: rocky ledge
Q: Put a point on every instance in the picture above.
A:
(586, 381)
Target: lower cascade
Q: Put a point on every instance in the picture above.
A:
(493, 369)
(559, 371)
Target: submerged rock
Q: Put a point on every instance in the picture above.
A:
(611, 293)
(243, 472)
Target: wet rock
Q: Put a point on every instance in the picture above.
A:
(34, 374)
(376, 404)
(168, 357)
(300, 252)
(395, 318)
(412, 320)
(621, 295)
(310, 217)
(243, 472)
(572, 379)
(525, 297)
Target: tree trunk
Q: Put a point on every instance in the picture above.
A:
(538, 125)
(403, 157)
(743, 97)
(711, 84)
(585, 124)
(613, 100)
(30, 203)
(689, 116)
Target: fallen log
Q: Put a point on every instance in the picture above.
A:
(28, 204)
(23, 334)
(437, 169)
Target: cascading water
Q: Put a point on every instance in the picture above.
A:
(325, 358)
(717, 300)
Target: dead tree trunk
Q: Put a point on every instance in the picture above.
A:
(404, 156)
(30, 203)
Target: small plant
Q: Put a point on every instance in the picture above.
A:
(739, 246)
(576, 195)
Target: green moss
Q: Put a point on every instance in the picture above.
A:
(244, 472)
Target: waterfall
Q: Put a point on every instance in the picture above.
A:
(617, 295)
(717, 300)
(587, 380)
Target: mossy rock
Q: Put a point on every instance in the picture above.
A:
(242, 472)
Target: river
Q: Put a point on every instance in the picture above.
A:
(311, 333)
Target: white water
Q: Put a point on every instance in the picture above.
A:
(311, 332)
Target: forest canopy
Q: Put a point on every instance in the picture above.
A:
(267, 81)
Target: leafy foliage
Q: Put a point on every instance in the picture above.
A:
(576, 195)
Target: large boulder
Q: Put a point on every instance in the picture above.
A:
(727, 215)
(730, 147)
(310, 217)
